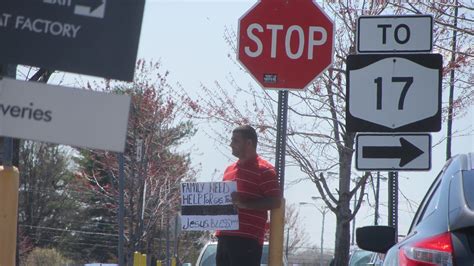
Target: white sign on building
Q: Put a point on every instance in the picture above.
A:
(63, 115)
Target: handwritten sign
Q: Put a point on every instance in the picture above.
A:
(208, 206)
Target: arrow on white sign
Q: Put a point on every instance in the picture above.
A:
(90, 8)
(91, 4)
(401, 152)
(406, 152)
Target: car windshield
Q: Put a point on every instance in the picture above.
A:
(264, 255)
(209, 255)
(468, 180)
(360, 257)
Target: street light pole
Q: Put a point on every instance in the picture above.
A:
(287, 240)
(377, 193)
(323, 211)
(354, 219)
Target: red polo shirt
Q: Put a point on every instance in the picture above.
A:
(255, 179)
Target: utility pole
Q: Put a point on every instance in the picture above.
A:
(277, 216)
(167, 239)
(167, 212)
(176, 237)
(377, 194)
(141, 176)
(287, 240)
(323, 210)
(354, 219)
(451, 83)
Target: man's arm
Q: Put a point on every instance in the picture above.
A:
(266, 203)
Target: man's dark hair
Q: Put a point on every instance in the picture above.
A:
(247, 132)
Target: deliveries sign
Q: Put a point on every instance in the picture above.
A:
(62, 115)
(208, 206)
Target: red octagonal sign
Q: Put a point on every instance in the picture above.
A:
(285, 44)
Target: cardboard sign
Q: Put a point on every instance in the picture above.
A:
(208, 206)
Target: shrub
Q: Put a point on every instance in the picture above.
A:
(45, 257)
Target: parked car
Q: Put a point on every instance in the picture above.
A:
(360, 257)
(442, 230)
(207, 257)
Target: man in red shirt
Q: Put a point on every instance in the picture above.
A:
(258, 191)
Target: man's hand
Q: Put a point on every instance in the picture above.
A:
(266, 203)
(237, 200)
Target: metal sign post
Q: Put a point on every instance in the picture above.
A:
(393, 201)
(281, 137)
(277, 216)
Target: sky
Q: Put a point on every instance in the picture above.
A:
(187, 38)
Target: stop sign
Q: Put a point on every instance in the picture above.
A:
(285, 44)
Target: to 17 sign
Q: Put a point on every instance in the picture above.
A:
(394, 93)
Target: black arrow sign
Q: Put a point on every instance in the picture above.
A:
(406, 152)
(92, 4)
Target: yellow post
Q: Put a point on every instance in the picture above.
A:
(277, 224)
(158, 263)
(9, 184)
(173, 261)
(143, 260)
(136, 258)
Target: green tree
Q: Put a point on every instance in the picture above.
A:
(45, 257)
(154, 167)
(46, 208)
